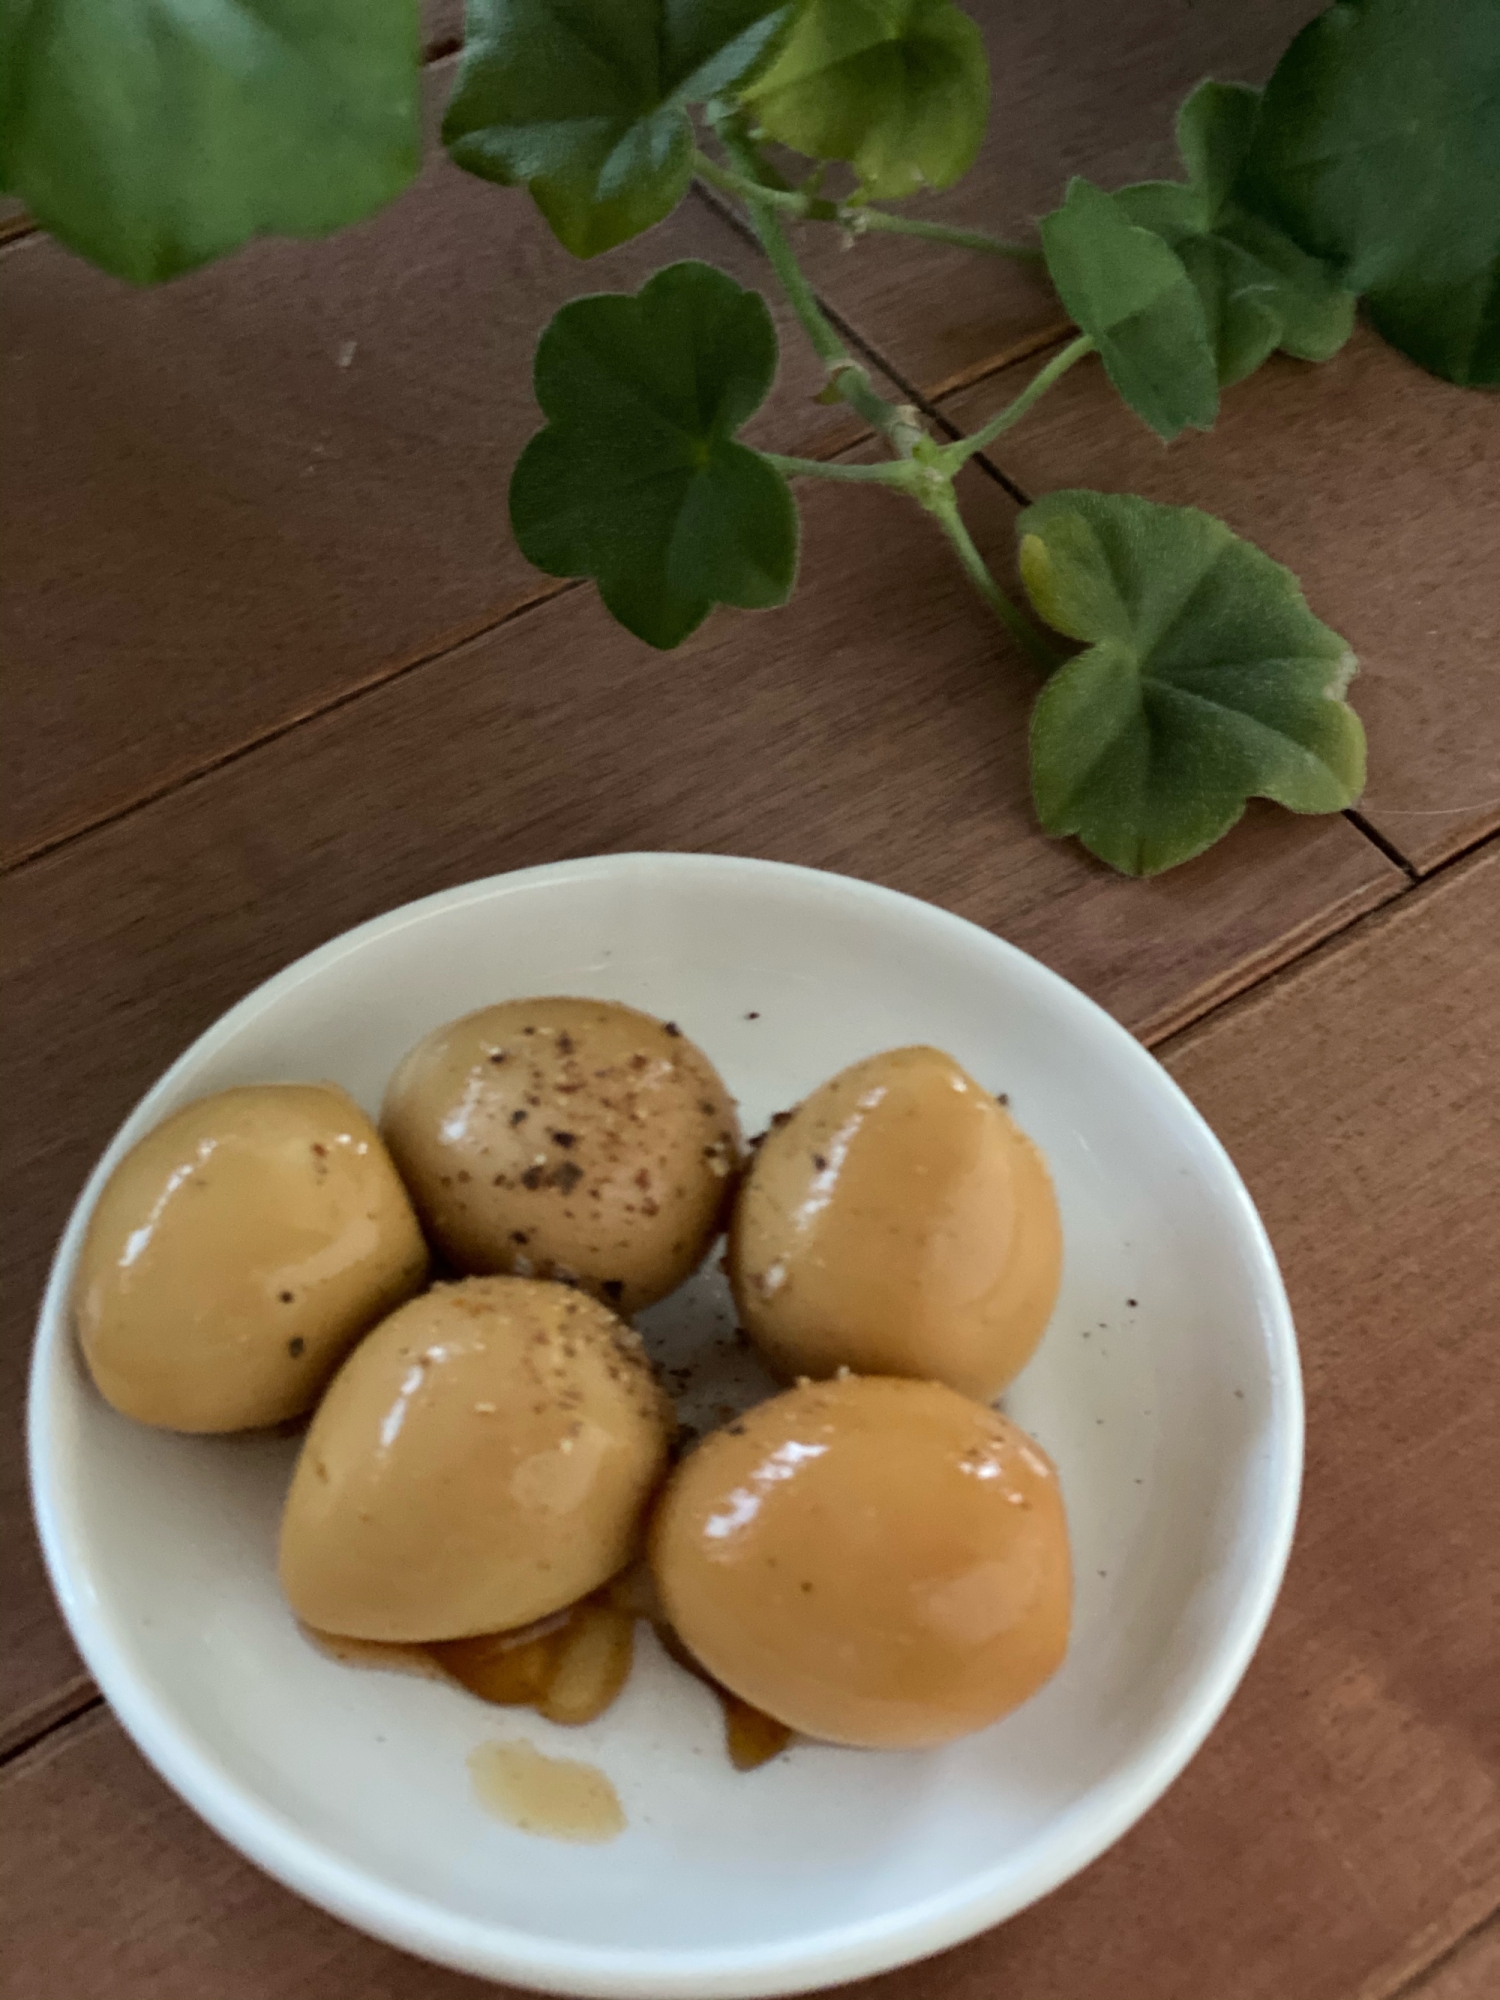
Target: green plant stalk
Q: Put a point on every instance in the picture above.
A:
(804, 204)
(929, 483)
(951, 457)
(901, 473)
(942, 505)
(844, 373)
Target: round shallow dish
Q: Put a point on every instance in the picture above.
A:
(1167, 1390)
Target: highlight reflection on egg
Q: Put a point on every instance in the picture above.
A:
(875, 1562)
(898, 1222)
(482, 1459)
(236, 1254)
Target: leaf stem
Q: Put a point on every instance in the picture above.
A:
(844, 373)
(898, 472)
(944, 510)
(861, 219)
(919, 465)
(804, 204)
(951, 457)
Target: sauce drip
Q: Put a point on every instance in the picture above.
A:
(751, 1737)
(558, 1797)
(570, 1667)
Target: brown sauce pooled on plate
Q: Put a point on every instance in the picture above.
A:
(555, 1796)
(570, 1667)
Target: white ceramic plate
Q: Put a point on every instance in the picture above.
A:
(1166, 1389)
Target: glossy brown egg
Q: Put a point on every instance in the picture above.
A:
(872, 1561)
(574, 1139)
(898, 1223)
(237, 1253)
(483, 1458)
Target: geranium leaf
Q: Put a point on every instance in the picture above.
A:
(638, 479)
(585, 102)
(1258, 289)
(900, 88)
(1129, 290)
(151, 136)
(1378, 148)
(1206, 682)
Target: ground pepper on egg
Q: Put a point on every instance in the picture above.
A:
(564, 1138)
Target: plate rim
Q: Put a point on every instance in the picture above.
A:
(417, 1923)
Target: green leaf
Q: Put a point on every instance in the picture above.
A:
(1131, 293)
(1258, 290)
(1207, 681)
(901, 88)
(637, 479)
(1378, 148)
(585, 102)
(151, 136)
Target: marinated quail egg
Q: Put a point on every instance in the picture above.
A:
(574, 1139)
(872, 1561)
(898, 1223)
(482, 1459)
(237, 1253)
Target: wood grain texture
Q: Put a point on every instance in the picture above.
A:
(1079, 87)
(1341, 1829)
(226, 501)
(1470, 1972)
(1376, 484)
(877, 725)
(112, 1890)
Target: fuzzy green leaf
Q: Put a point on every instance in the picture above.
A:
(901, 88)
(1258, 290)
(1207, 681)
(638, 480)
(1129, 290)
(152, 136)
(585, 102)
(1378, 148)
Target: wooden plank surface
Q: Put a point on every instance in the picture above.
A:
(1376, 483)
(230, 500)
(1470, 1972)
(1079, 87)
(877, 725)
(1340, 1831)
